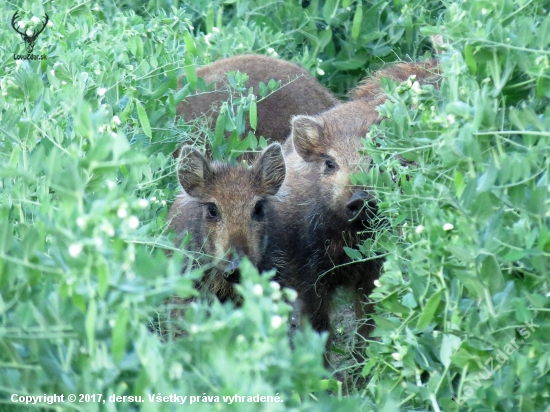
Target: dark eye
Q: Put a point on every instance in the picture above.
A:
(330, 165)
(212, 211)
(259, 210)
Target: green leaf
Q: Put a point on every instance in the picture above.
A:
(470, 60)
(219, 131)
(429, 310)
(449, 345)
(487, 180)
(91, 316)
(491, 274)
(253, 114)
(102, 277)
(353, 253)
(190, 50)
(329, 10)
(357, 19)
(209, 19)
(144, 120)
(191, 73)
(118, 339)
(324, 37)
(351, 64)
(368, 367)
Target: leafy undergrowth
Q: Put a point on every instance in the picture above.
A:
(86, 181)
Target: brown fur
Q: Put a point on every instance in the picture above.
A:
(425, 73)
(311, 224)
(224, 208)
(300, 93)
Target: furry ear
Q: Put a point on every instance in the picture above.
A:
(308, 137)
(270, 170)
(193, 170)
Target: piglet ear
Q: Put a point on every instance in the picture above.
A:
(193, 170)
(308, 137)
(269, 170)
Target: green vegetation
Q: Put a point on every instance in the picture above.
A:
(86, 181)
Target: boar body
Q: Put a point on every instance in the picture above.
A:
(319, 211)
(300, 93)
(224, 207)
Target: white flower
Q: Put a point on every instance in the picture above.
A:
(108, 229)
(419, 229)
(101, 129)
(75, 249)
(81, 222)
(101, 91)
(320, 71)
(110, 184)
(258, 290)
(451, 118)
(143, 203)
(291, 295)
(194, 329)
(22, 24)
(215, 30)
(122, 212)
(275, 285)
(397, 356)
(133, 222)
(276, 321)
(176, 370)
(448, 226)
(377, 283)
(35, 19)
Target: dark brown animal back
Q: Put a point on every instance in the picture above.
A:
(300, 93)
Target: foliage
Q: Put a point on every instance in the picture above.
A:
(468, 272)
(86, 181)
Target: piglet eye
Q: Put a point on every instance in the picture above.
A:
(330, 165)
(259, 210)
(212, 211)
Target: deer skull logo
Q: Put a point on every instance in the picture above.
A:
(28, 39)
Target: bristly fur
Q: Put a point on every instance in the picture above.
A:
(233, 191)
(310, 227)
(425, 73)
(300, 93)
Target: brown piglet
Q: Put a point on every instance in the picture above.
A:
(225, 208)
(319, 212)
